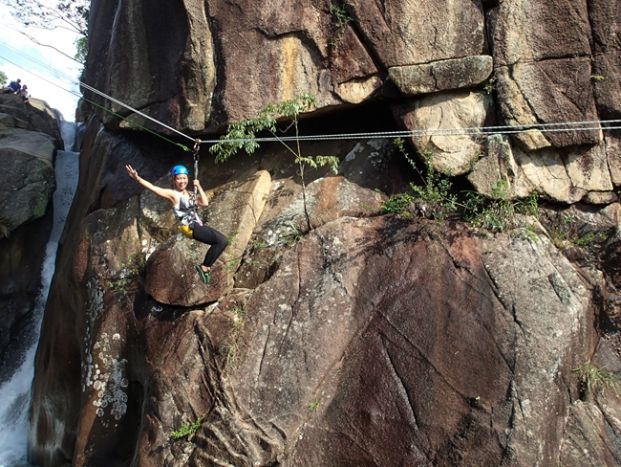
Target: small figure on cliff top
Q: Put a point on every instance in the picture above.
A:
(184, 206)
(23, 93)
(13, 88)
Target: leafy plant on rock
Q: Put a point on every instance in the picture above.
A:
(400, 204)
(498, 212)
(339, 15)
(340, 19)
(186, 430)
(434, 194)
(314, 405)
(242, 135)
(566, 232)
(594, 379)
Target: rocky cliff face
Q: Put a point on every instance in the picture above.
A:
(28, 140)
(351, 337)
(446, 65)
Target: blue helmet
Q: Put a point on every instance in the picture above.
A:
(179, 169)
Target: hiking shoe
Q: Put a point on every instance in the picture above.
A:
(205, 276)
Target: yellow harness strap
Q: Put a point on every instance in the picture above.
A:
(186, 230)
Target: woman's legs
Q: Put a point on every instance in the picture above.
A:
(212, 237)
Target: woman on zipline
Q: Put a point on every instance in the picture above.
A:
(184, 208)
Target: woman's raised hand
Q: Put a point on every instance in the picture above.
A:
(133, 173)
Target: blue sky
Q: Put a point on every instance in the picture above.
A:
(50, 76)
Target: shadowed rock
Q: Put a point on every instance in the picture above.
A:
(28, 141)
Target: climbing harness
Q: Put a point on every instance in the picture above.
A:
(186, 230)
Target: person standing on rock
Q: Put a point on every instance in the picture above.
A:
(184, 208)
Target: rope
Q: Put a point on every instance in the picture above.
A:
(196, 156)
(473, 131)
(142, 114)
(182, 146)
(554, 127)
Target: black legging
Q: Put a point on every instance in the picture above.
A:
(212, 237)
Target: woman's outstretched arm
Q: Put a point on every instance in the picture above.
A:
(162, 192)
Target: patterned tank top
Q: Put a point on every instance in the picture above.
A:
(185, 210)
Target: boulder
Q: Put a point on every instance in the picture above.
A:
(554, 91)
(450, 151)
(568, 178)
(38, 117)
(529, 31)
(285, 224)
(172, 280)
(499, 164)
(442, 75)
(26, 176)
(374, 315)
(21, 258)
(28, 141)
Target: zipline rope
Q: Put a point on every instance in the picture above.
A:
(121, 117)
(116, 101)
(478, 131)
(554, 127)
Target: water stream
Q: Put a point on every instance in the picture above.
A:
(15, 392)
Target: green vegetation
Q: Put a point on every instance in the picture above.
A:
(400, 204)
(593, 379)
(313, 406)
(294, 235)
(566, 232)
(490, 85)
(186, 430)
(529, 233)
(3, 78)
(598, 78)
(435, 191)
(435, 199)
(497, 213)
(232, 265)
(340, 17)
(242, 136)
(238, 316)
(81, 47)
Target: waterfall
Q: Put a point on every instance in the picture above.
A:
(15, 391)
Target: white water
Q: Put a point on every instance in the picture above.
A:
(15, 392)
